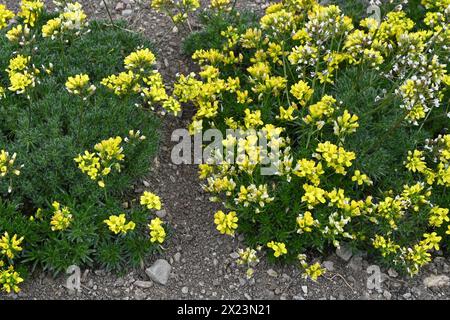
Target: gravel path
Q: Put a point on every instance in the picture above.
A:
(202, 261)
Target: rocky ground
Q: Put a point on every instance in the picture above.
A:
(198, 262)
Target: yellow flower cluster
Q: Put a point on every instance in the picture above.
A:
(118, 224)
(5, 16)
(151, 201)
(98, 165)
(313, 271)
(8, 168)
(439, 172)
(9, 279)
(71, 19)
(248, 257)
(10, 246)
(79, 85)
(226, 223)
(30, 11)
(177, 10)
(140, 78)
(62, 217)
(18, 32)
(22, 76)
(279, 248)
(157, 232)
(7, 164)
(140, 61)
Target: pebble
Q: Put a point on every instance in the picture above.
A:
(127, 12)
(387, 295)
(159, 271)
(344, 252)
(392, 273)
(185, 290)
(272, 273)
(329, 265)
(143, 284)
(305, 290)
(234, 255)
(407, 295)
(161, 213)
(438, 281)
(356, 263)
(177, 257)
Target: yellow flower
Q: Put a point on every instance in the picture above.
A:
(415, 161)
(361, 178)
(118, 224)
(51, 28)
(431, 241)
(219, 4)
(345, 124)
(335, 157)
(151, 201)
(61, 217)
(110, 149)
(279, 248)
(16, 32)
(302, 92)
(226, 223)
(252, 119)
(5, 16)
(287, 114)
(9, 246)
(30, 11)
(157, 232)
(79, 85)
(305, 222)
(140, 60)
(20, 82)
(122, 84)
(7, 164)
(313, 195)
(9, 280)
(314, 271)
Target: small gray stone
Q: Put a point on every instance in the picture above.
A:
(305, 290)
(185, 290)
(143, 284)
(344, 252)
(356, 263)
(298, 297)
(329, 265)
(387, 295)
(161, 213)
(272, 273)
(120, 6)
(234, 255)
(127, 12)
(392, 273)
(159, 271)
(407, 295)
(438, 281)
(177, 257)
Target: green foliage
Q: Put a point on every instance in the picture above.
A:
(51, 128)
(369, 90)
